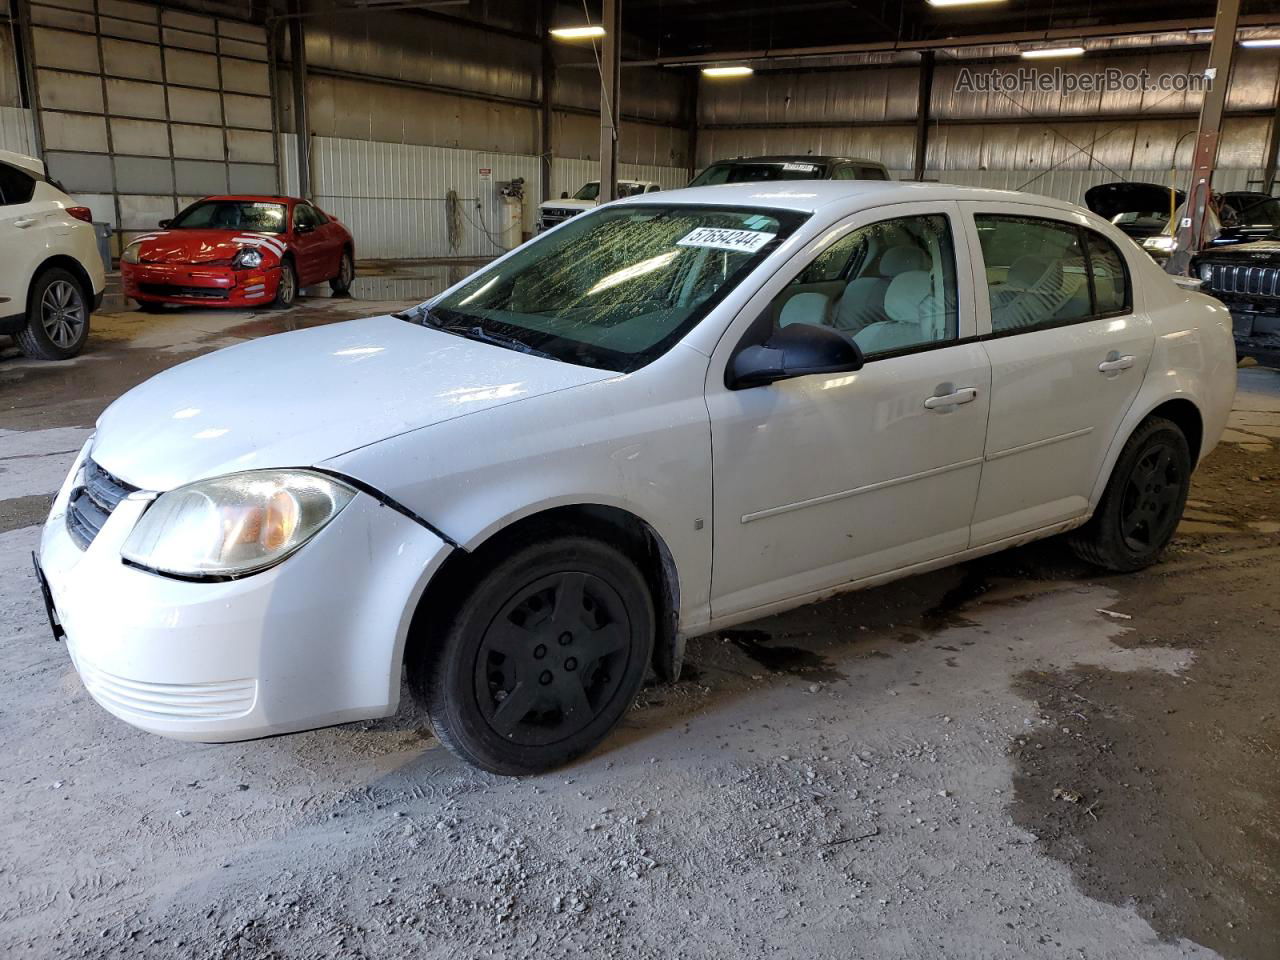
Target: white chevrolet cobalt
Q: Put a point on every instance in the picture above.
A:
(670, 414)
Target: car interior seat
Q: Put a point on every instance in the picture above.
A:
(862, 302)
(910, 310)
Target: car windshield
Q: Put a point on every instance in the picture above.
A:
(589, 192)
(754, 172)
(232, 215)
(615, 288)
(1250, 210)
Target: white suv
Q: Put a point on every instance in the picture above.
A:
(51, 275)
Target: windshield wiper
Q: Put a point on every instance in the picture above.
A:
(498, 339)
(421, 315)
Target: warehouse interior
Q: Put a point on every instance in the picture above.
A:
(1017, 757)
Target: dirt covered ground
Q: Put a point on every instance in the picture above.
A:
(1017, 758)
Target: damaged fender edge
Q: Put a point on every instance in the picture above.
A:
(387, 501)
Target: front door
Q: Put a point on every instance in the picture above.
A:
(22, 238)
(823, 480)
(310, 246)
(1068, 351)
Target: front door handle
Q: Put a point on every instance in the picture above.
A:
(945, 401)
(24, 223)
(1115, 363)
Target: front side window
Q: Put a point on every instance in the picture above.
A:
(1044, 273)
(617, 287)
(304, 215)
(15, 186)
(891, 286)
(231, 215)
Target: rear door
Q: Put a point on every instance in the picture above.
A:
(1069, 349)
(22, 240)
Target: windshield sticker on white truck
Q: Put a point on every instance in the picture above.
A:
(799, 167)
(744, 241)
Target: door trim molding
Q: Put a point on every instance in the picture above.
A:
(868, 488)
(1035, 444)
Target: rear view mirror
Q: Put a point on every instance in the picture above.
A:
(164, 224)
(796, 350)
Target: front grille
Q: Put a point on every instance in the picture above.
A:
(551, 217)
(92, 502)
(190, 293)
(1241, 279)
(169, 701)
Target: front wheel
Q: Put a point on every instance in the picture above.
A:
(346, 273)
(57, 317)
(541, 659)
(1143, 502)
(287, 287)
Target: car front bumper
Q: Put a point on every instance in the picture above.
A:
(199, 286)
(315, 640)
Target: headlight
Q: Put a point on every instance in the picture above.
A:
(249, 258)
(131, 252)
(1162, 243)
(1206, 272)
(234, 525)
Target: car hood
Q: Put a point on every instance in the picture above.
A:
(1128, 196)
(297, 399)
(1259, 253)
(204, 246)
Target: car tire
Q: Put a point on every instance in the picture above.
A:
(540, 658)
(57, 317)
(287, 287)
(346, 273)
(1143, 502)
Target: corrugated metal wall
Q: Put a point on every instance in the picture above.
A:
(1071, 185)
(17, 132)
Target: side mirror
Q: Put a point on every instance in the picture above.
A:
(164, 224)
(303, 228)
(564, 194)
(796, 350)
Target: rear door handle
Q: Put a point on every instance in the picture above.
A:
(24, 223)
(1115, 363)
(947, 400)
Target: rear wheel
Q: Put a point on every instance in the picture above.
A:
(541, 659)
(57, 317)
(287, 288)
(346, 273)
(1143, 502)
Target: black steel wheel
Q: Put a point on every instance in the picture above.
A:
(541, 659)
(1142, 505)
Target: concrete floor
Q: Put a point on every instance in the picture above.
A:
(1016, 758)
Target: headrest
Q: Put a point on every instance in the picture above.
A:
(908, 296)
(809, 307)
(898, 260)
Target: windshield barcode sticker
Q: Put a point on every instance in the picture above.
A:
(746, 241)
(799, 167)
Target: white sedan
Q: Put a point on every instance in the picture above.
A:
(666, 416)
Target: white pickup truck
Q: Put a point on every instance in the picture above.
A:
(552, 212)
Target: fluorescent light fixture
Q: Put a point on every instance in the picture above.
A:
(962, 3)
(1045, 52)
(1201, 30)
(727, 71)
(1268, 42)
(578, 33)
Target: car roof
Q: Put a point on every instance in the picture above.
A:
(21, 160)
(810, 196)
(798, 158)
(253, 198)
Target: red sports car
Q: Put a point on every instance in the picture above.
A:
(238, 252)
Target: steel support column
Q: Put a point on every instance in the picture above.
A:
(546, 148)
(691, 119)
(923, 100)
(298, 74)
(1190, 231)
(1273, 151)
(610, 77)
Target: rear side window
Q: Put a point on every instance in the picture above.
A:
(872, 173)
(1044, 273)
(15, 185)
(1110, 277)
